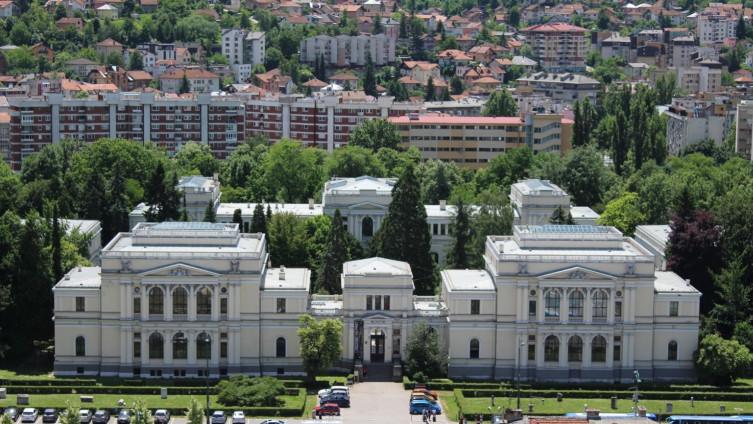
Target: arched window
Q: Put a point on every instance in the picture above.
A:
(280, 348)
(156, 346)
(600, 301)
(180, 346)
(474, 349)
(367, 227)
(552, 304)
(599, 349)
(575, 307)
(672, 351)
(204, 301)
(575, 349)
(180, 301)
(156, 301)
(80, 346)
(203, 346)
(552, 349)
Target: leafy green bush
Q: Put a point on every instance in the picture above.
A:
(246, 391)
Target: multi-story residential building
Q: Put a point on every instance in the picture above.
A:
(199, 80)
(616, 45)
(695, 119)
(563, 87)
(703, 76)
(153, 52)
(682, 49)
(5, 136)
(472, 141)
(560, 47)
(243, 50)
(168, 121)
(744, 129)
(553, 303)
(348, 50)
(717, 23)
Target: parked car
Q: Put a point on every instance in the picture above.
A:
(101, 417)
(427, 392)
(12, 413)
(84, 416)
(327, 409)
(218, 417)
(340, 399)
(418, 406)
(273, 422)
(49, 416)
(29, 415)
(161, 416)
(239, 417)
(124, 416)
(421, 396)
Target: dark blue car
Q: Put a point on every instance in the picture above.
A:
(418, 406)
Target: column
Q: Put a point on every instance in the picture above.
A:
(587, 307)
(216, 304)
(236, 296)
(234, 346)
(610, 351)
(540, 350)
(191, 303)
(125, 308)
(610, 307)
(330, 129)
(144, 303)
(168, 347)
(388, 343)
(168, 303)
(586, 349)
(521, 304)
(123, 345)
(349, 339)
(144, 347)
(540, 305)
(191, 342)
(563, 350)
(215, 359)
(563, 305)
(113, 121)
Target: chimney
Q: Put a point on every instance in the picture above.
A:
(642, 411)
(442, 205)
(311, 203)
(592, 414)
(282, 272)
(216, 177)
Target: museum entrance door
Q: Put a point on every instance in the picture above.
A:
(377, 346)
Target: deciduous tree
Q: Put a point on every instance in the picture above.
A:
(319, 343)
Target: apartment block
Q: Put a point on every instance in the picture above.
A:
(692, 120)
(168, 121)
(348, 50)
(717, 23)
(744, 128)
(472, 141)
(199, 80)
(243, 50)
(560, 47)
(560, 87)
(703, 76)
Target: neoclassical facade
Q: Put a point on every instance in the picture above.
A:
(565, 303)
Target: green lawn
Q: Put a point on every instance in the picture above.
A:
(551, 406)
(449, 405)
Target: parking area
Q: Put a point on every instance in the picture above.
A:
(371, 402)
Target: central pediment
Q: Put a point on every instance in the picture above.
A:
(367, 206)
(179, 270)
(578, 273)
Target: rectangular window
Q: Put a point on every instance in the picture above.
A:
(378, 303)
(281, 305)
(223, 305)
(532, 309)
(137, 349)
(80, 303)
(223, 350)
(531, 348)
(386, 303)
(674, 308)
(136, 305)
(369, 302)
(475, 307)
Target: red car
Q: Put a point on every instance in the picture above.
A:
(327, 409)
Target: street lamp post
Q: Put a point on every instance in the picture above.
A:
(520, 359)
(207, 341)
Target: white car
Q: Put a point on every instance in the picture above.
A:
(218, 417)
(29, 415)
(334, 389)
(273, 422)
(84, 416)
(239, 417)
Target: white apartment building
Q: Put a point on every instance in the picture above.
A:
(348, 50)
(243, 50)
(558, 303)
(560, 47)
(703, 76)
(713, 26)
(562, 87)
(744, 128)
(691, 121)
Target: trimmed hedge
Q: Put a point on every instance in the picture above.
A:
(606, 394)
(125, 390)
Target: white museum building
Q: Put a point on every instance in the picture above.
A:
(557, 302)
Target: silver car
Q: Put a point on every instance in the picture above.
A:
(29, 415)
(218, 417)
